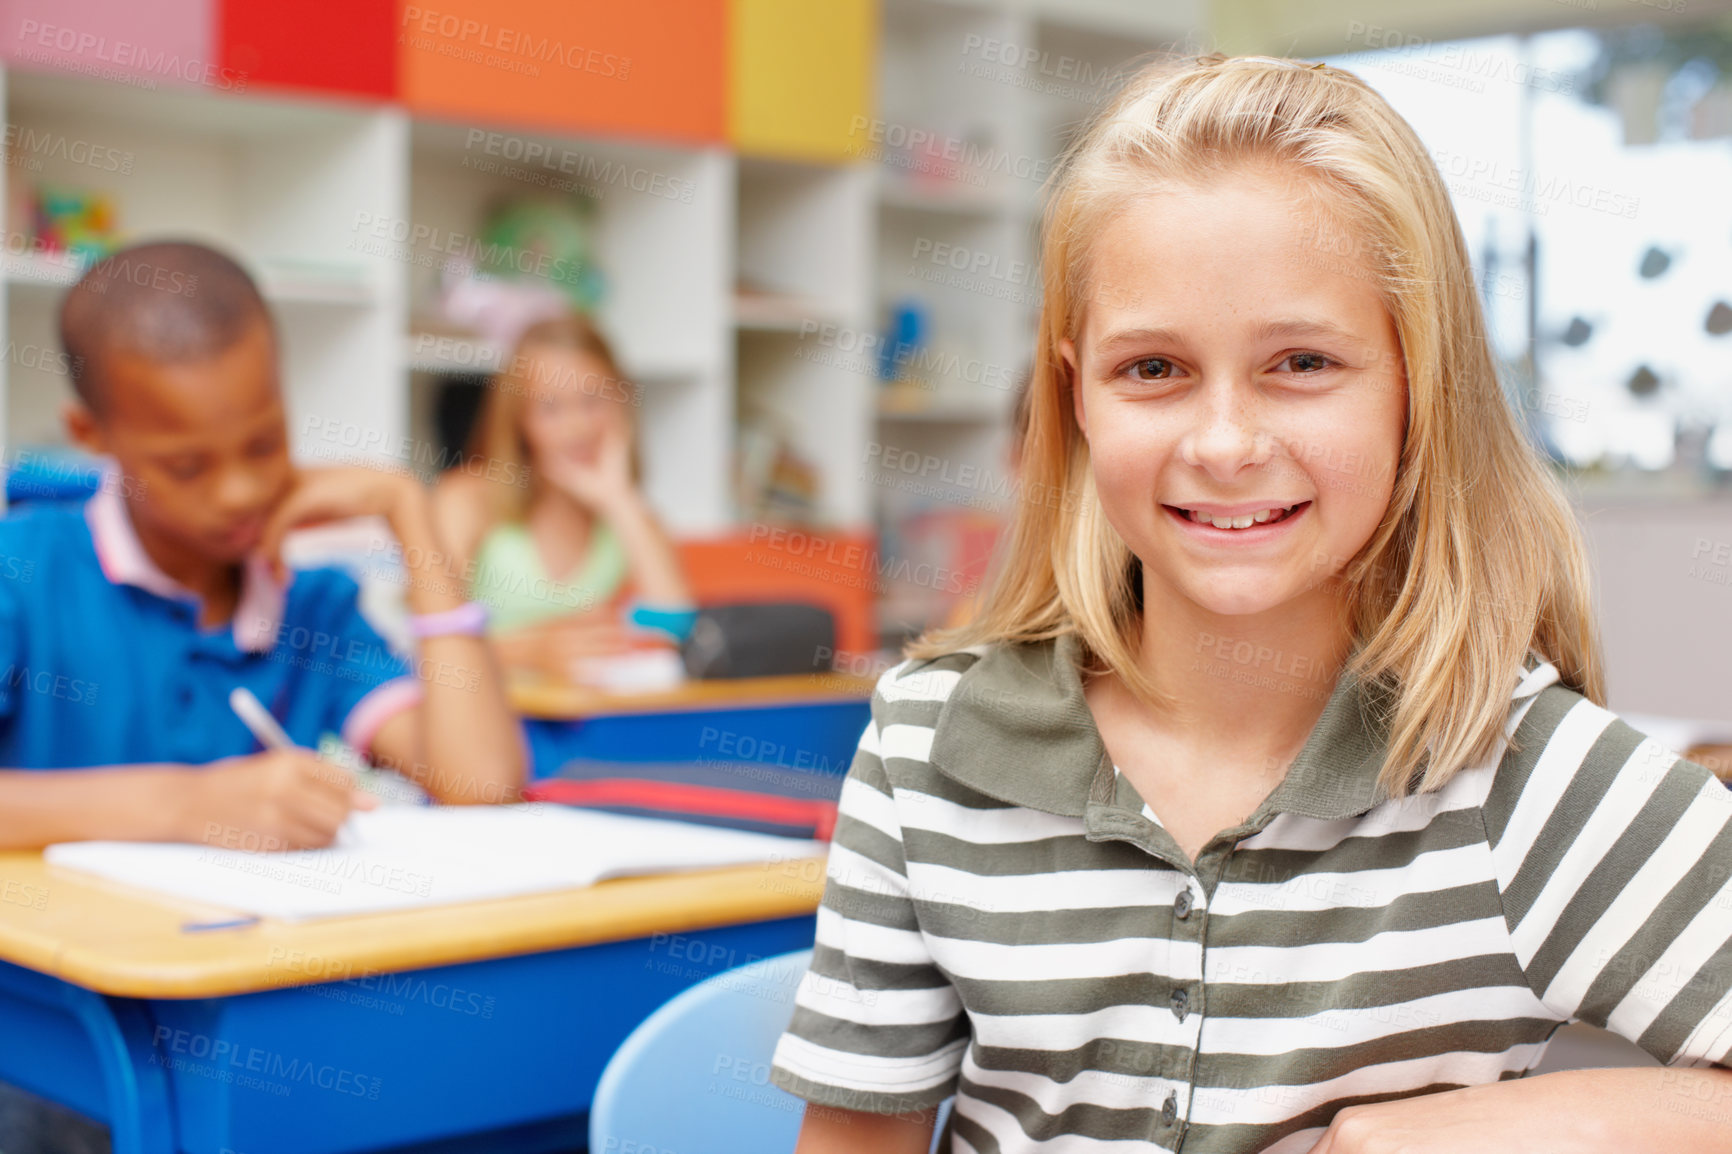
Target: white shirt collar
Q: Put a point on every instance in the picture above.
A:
(258, 613)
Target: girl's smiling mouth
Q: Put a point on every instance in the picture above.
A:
(1216, 519)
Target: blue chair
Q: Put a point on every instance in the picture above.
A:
(51, 473)
(695, 1075)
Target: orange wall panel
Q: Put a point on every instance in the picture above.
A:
(652, 69)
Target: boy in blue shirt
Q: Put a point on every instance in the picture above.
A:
(142, 608)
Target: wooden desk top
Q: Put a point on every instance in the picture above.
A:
(117, 940)
(558, 699)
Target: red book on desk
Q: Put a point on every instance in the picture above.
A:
(760, 798)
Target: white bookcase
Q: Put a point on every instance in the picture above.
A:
(297, 187)
(278, 183)
(803, 260)
(738, 289)
(996, 88)
(663, 229)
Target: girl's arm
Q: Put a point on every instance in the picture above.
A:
(550, 647)
(882, 1038)
(1608, 855)
(1616, 1111)
(827, 1130)
(655, 567)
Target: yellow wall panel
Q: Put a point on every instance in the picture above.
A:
(800, 73)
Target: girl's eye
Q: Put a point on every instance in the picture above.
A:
(1152, 369)
(183, 468)
(1307, 362)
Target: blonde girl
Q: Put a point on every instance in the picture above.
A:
(1270, 803)
(546, 517)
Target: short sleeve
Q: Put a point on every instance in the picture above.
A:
(352, 678)
(1613, 859)
(877, 1027)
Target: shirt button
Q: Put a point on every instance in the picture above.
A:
(1170, 1108)
(1181, 1003)
(1182, 905)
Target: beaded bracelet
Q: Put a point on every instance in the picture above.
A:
(468, 620)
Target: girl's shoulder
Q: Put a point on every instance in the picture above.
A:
(1004, 723)
(1564, 746)
(998, 673)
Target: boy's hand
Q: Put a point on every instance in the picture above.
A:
(321, 495)
(280, 799)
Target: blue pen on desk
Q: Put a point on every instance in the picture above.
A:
(230, 924)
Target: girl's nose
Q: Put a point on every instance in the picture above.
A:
(1226, 433)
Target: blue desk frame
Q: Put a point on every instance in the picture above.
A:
(418, 1061)
(810, 737)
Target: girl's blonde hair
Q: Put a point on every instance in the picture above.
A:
(498, 431)
(1479, 557)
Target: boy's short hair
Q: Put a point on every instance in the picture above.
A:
(170, 301)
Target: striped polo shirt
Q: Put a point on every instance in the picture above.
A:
(1005, 919)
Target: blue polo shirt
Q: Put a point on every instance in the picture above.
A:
(103, 661)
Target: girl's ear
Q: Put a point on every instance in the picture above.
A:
(1067, 350)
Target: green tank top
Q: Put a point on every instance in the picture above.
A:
(510, 581)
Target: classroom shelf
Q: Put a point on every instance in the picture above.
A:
(951, 198)
(48, 272)
(452, 354)
(277, 181)
(894, 413)
(780, 313)
(991, 93)
(751, 258)
(804, 239)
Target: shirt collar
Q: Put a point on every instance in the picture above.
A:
(258, 613)
(1016, 727)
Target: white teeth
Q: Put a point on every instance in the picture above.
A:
(1244, 521)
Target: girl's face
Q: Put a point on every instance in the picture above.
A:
(573, 405)
(1242, 391)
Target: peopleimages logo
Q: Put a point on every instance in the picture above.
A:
(459, 32)
(869, 137)
(86, 47)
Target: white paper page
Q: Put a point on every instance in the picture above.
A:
(402, 857)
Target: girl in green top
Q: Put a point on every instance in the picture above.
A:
(554, 534)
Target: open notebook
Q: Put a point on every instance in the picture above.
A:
(401, 857)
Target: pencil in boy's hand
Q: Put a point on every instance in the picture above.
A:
(258, 719)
